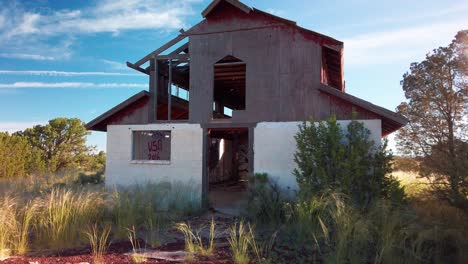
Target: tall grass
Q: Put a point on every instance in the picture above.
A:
(15, 226)
(63, 215)
(98, 242)
(239, 242)
(153, 206)
(137, 257)
(194, 242)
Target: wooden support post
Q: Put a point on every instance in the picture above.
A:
(169, 93)
(251, 150)
(152, 91)
(155, 94)
(205, 181)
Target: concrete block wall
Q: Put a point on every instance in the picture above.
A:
(274, 148)
(186, 157)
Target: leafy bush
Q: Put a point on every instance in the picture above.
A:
(266, 202)
(95, 178)
(329, 158)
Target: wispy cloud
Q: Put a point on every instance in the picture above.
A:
(24, 56)
(58, 85)
(30, 31)
(114, 65)
(12, 127)
(406, 44)
(105, 16)
(67, 73)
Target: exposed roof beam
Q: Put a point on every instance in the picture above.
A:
(133, 66)
(173, 56)
(183, 48)
(161, 49)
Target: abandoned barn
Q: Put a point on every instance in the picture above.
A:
(225, 99)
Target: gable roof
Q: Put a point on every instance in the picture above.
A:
(391, 121)
(239, 5)
(95, 124)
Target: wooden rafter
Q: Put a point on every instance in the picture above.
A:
(160, 49)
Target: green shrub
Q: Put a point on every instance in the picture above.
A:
(95, 178)
(266, 201)
(329, 158)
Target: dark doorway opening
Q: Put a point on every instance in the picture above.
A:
(228, 168)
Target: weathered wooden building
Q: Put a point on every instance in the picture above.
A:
(225, 98)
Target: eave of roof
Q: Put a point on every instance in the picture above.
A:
(397, 120)
(92, 124)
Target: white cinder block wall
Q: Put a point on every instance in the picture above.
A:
(185, 164)
(274, 148)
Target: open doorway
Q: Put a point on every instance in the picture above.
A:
(228, 168)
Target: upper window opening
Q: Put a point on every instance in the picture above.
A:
(229, 87)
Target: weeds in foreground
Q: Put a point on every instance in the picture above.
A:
(136, 247)
(98, 242)
(15, 226)
(239, 241)
(194, 240)
(64, 214)
(262, 250)
(24, 228)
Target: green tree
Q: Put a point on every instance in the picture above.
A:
(62, 142)
(17, 157)
(436, 90)
(348, 161)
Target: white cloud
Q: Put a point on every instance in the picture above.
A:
(406, 44)
(19, 85)
(12, 127)
(114, 65)
(51, 33)
(67, 73)
(25, 56)
(105, 16)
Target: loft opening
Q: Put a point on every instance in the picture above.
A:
(173, 89)
(332, 74)
(229, 87)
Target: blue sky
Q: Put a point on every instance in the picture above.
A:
(67, 58)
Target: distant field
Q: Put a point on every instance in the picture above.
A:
(412, 183)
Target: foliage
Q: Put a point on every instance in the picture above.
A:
(17, 157)
(137, 257)
(437, 109)
(35, 215)
(93, 178)
(63, 214)
(239, 241)
(347, 162)
(194, 241)
(266, 200)
(152, 205)
(330, 229)
(61, 142)
(98, 242)
(405, 164)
